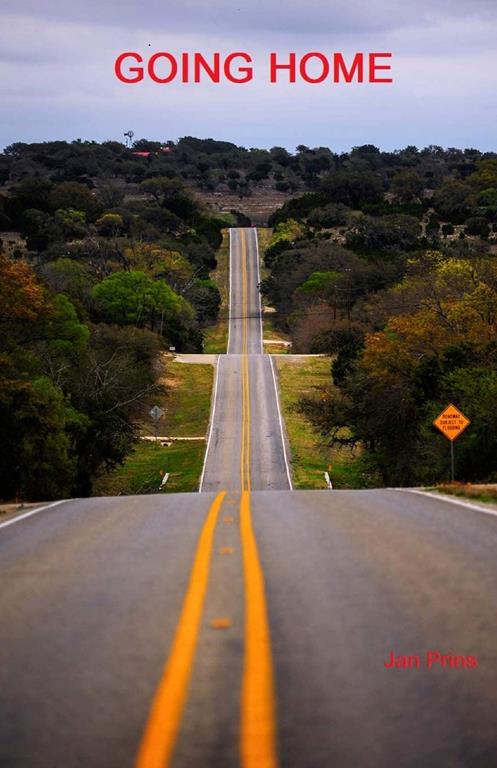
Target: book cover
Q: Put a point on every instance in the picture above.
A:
(248, 348)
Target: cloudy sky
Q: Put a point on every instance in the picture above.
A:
(57, 72)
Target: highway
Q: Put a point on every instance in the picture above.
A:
(249, 624)
(247, 418)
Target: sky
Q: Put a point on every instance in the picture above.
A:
(57, 76)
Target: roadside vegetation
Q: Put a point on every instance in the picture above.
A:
(185, 399)
(216, 335)
(385, 261)
(95, 283)
(484, 493)
(311, 457)
(390, 267)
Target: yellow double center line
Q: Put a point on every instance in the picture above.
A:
(258, 710)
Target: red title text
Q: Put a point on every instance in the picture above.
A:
(313, 68)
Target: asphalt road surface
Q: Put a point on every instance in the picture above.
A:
(246, 416)
(236, 628)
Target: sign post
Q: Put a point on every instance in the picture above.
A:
(156, 413)
(451, 423)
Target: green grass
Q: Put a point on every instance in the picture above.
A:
(186, 401)
(270, 333)
(310, 458)
(216, 337)
(143, 469)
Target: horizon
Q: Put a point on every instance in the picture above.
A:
(268, 147)
(57, 72)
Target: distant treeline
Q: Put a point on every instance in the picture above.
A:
(219, 165)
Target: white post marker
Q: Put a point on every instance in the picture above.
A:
(328, 480)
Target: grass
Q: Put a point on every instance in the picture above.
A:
(270, 333)
(143, 469)
(186, 402)
(310, 458)
(216, 337)
(485, 493)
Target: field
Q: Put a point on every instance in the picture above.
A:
(310, 456)
(186, 403)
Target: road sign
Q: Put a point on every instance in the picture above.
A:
(156, 413)
(451, 422)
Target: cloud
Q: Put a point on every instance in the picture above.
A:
(299, 17)
(57, 80)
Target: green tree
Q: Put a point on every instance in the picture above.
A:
(453, 201)
(110, 225)
(407, 186)
(133, 298)
(38, 428)
(72, 222)
(71, 194)
(352, 188)
(395, 231)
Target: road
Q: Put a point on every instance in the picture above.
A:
(236, 628)
(246, 418)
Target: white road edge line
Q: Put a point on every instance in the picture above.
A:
(259, 289)
(231, 294)
(211, 423)
(441, 497)
(281, 424)
(33, 512)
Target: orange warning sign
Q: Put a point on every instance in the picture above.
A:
(451, 422)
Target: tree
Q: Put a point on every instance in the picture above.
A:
(485, 175)
(352, 188)
(443, 350)
(110, 384)
(395, 231)
(477, 226)
(453, 201)
(133, 298)
(29, 193)
(22, 298)
(37, 430)
(71, 194)
(72, 222)
(70, 277)
(40, 229)
(407, 186)
(205, 298)
(110, 225)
